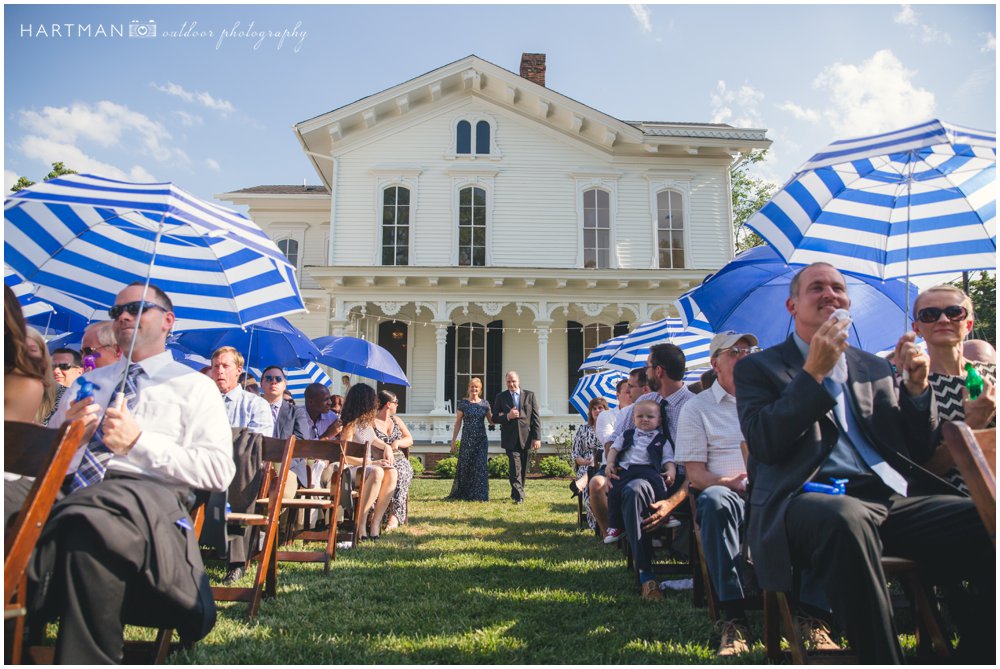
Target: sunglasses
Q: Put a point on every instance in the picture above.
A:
(65, 366)
(738, 351)
(86, 350)
(132, 308)
(931, 314)
(273, 379)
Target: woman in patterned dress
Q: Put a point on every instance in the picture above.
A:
(472, 478)
(943, 317)
(585, 445)
(393, 431)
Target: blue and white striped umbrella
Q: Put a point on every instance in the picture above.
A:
(603, 352)
(693, 340)
(89, 237)
(599, 384)
(298, 379)
(920, 200)
(25, 294)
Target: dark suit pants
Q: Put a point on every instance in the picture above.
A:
(647, 473)
(518, 461)
(842, 539)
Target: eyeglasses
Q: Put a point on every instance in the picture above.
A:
(65, 366)
(273, 379)
(86, 350)
(132, 308)
(931, 314)
(740, 351)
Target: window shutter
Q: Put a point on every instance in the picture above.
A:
(449, 367)
(621, 328)
(574, 347)
(494, 361)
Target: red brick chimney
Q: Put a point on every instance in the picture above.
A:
(533, 67)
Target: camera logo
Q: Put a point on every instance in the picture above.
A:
(142, 29)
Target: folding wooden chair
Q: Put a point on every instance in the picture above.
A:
(975, 455)
(32, 450)
(273, 452)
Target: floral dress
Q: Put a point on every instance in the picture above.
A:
(397, 506)
(949, 397)
(585, 444)
(472, 478)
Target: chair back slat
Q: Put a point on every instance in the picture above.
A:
(978, 470)
(319, 449)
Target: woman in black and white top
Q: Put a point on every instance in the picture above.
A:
(393, 431)
(943, 317)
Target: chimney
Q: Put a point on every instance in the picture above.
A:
(533, 67)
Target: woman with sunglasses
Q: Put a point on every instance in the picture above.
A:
(943, 317)
(391, 429)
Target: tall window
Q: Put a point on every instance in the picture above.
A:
(470, 356)
(670, 229)
(396, 226)
(463, 141)
(483, 138)
(472, 227)
(596, 229)
(290, 248)
(593, 335)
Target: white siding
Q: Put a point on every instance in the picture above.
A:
(423, 370)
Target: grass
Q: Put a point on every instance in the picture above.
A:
(468, 583)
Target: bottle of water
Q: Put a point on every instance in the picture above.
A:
(973, 381)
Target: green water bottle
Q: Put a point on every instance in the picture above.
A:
(973, 381)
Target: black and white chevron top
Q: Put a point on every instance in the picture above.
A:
(948, 395)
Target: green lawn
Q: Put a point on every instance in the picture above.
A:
(468, 582)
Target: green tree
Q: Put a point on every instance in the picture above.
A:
(983, 292)
(750, 193)
(58, 170)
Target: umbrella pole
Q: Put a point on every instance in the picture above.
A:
(120, 395)
(909, 201)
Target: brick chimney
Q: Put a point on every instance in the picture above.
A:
(533, 67)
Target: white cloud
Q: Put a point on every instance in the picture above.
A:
(989, 42)
(9, 179)
(907, 16)
(800, 113)
(188, 120)
(641, 14)
(48, 151)
(872, 97)
(212, 164)
(203, 98)
(737, 107)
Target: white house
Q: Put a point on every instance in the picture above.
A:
(472, 221)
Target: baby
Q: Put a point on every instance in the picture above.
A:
(644, 452)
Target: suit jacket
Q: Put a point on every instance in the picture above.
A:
(284, 424)
(517, 435)
(788, 423)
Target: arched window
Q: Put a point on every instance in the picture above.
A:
(290, 247)
(472, 227)
(463, 140)
(482, 138)
(396, 226)
(596, 229)
(670, 229)
(470, 356)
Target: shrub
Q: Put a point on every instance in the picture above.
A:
(498, 466)
(554, 466)
(446, 467)
(418, 466)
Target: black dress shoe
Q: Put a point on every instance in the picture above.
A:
(574, 491)
(234, 574)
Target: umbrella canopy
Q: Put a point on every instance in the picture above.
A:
(271, 342)
(603, 352)
(357, 356)
(89, 237)
(921, 200)
(693, 339)
(51, 311)
(749, 293)
(298, 378)
(599, 384)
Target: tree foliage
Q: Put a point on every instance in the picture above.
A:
(750, 193)
(983, 292)
(58, 169)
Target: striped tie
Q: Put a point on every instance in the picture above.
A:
(96, 456)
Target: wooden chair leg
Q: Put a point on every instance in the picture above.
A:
(929, 625)
(772, 627)
(163, 639)
(796, 645)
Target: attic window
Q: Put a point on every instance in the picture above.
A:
(475, 136)
(463, 140)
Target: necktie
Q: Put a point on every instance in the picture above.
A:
(94, 465)
(517, 400)
(274, 413)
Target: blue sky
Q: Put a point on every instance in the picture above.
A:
(215, 116)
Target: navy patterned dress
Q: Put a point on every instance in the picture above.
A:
(472, 478)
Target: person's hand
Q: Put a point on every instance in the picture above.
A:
(736, 483)
(913, 363)
(669, 473)
(536, 444)
(333, 430)
(826, 347)
(390, 457)
(120, 429)
(453, 450)
(660, 512)
(979, 411)
(513, 414)
(87, 410)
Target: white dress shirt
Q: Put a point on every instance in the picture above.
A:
(604, 428)
(185, 437)
(709, 432)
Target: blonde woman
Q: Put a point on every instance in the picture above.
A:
(472, 478)
(53, 391)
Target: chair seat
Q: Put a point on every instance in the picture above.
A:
(296, 503)
(246, 518)
(313, 491)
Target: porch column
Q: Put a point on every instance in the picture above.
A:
(542, 329)
(441, 335)
(339, 326)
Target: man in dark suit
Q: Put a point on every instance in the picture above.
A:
(273, 384)
(811, 409)
(516, 411)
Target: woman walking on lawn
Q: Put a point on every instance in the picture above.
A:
(472, 478)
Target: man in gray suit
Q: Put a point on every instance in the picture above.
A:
(812, 409)
(516, 411)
